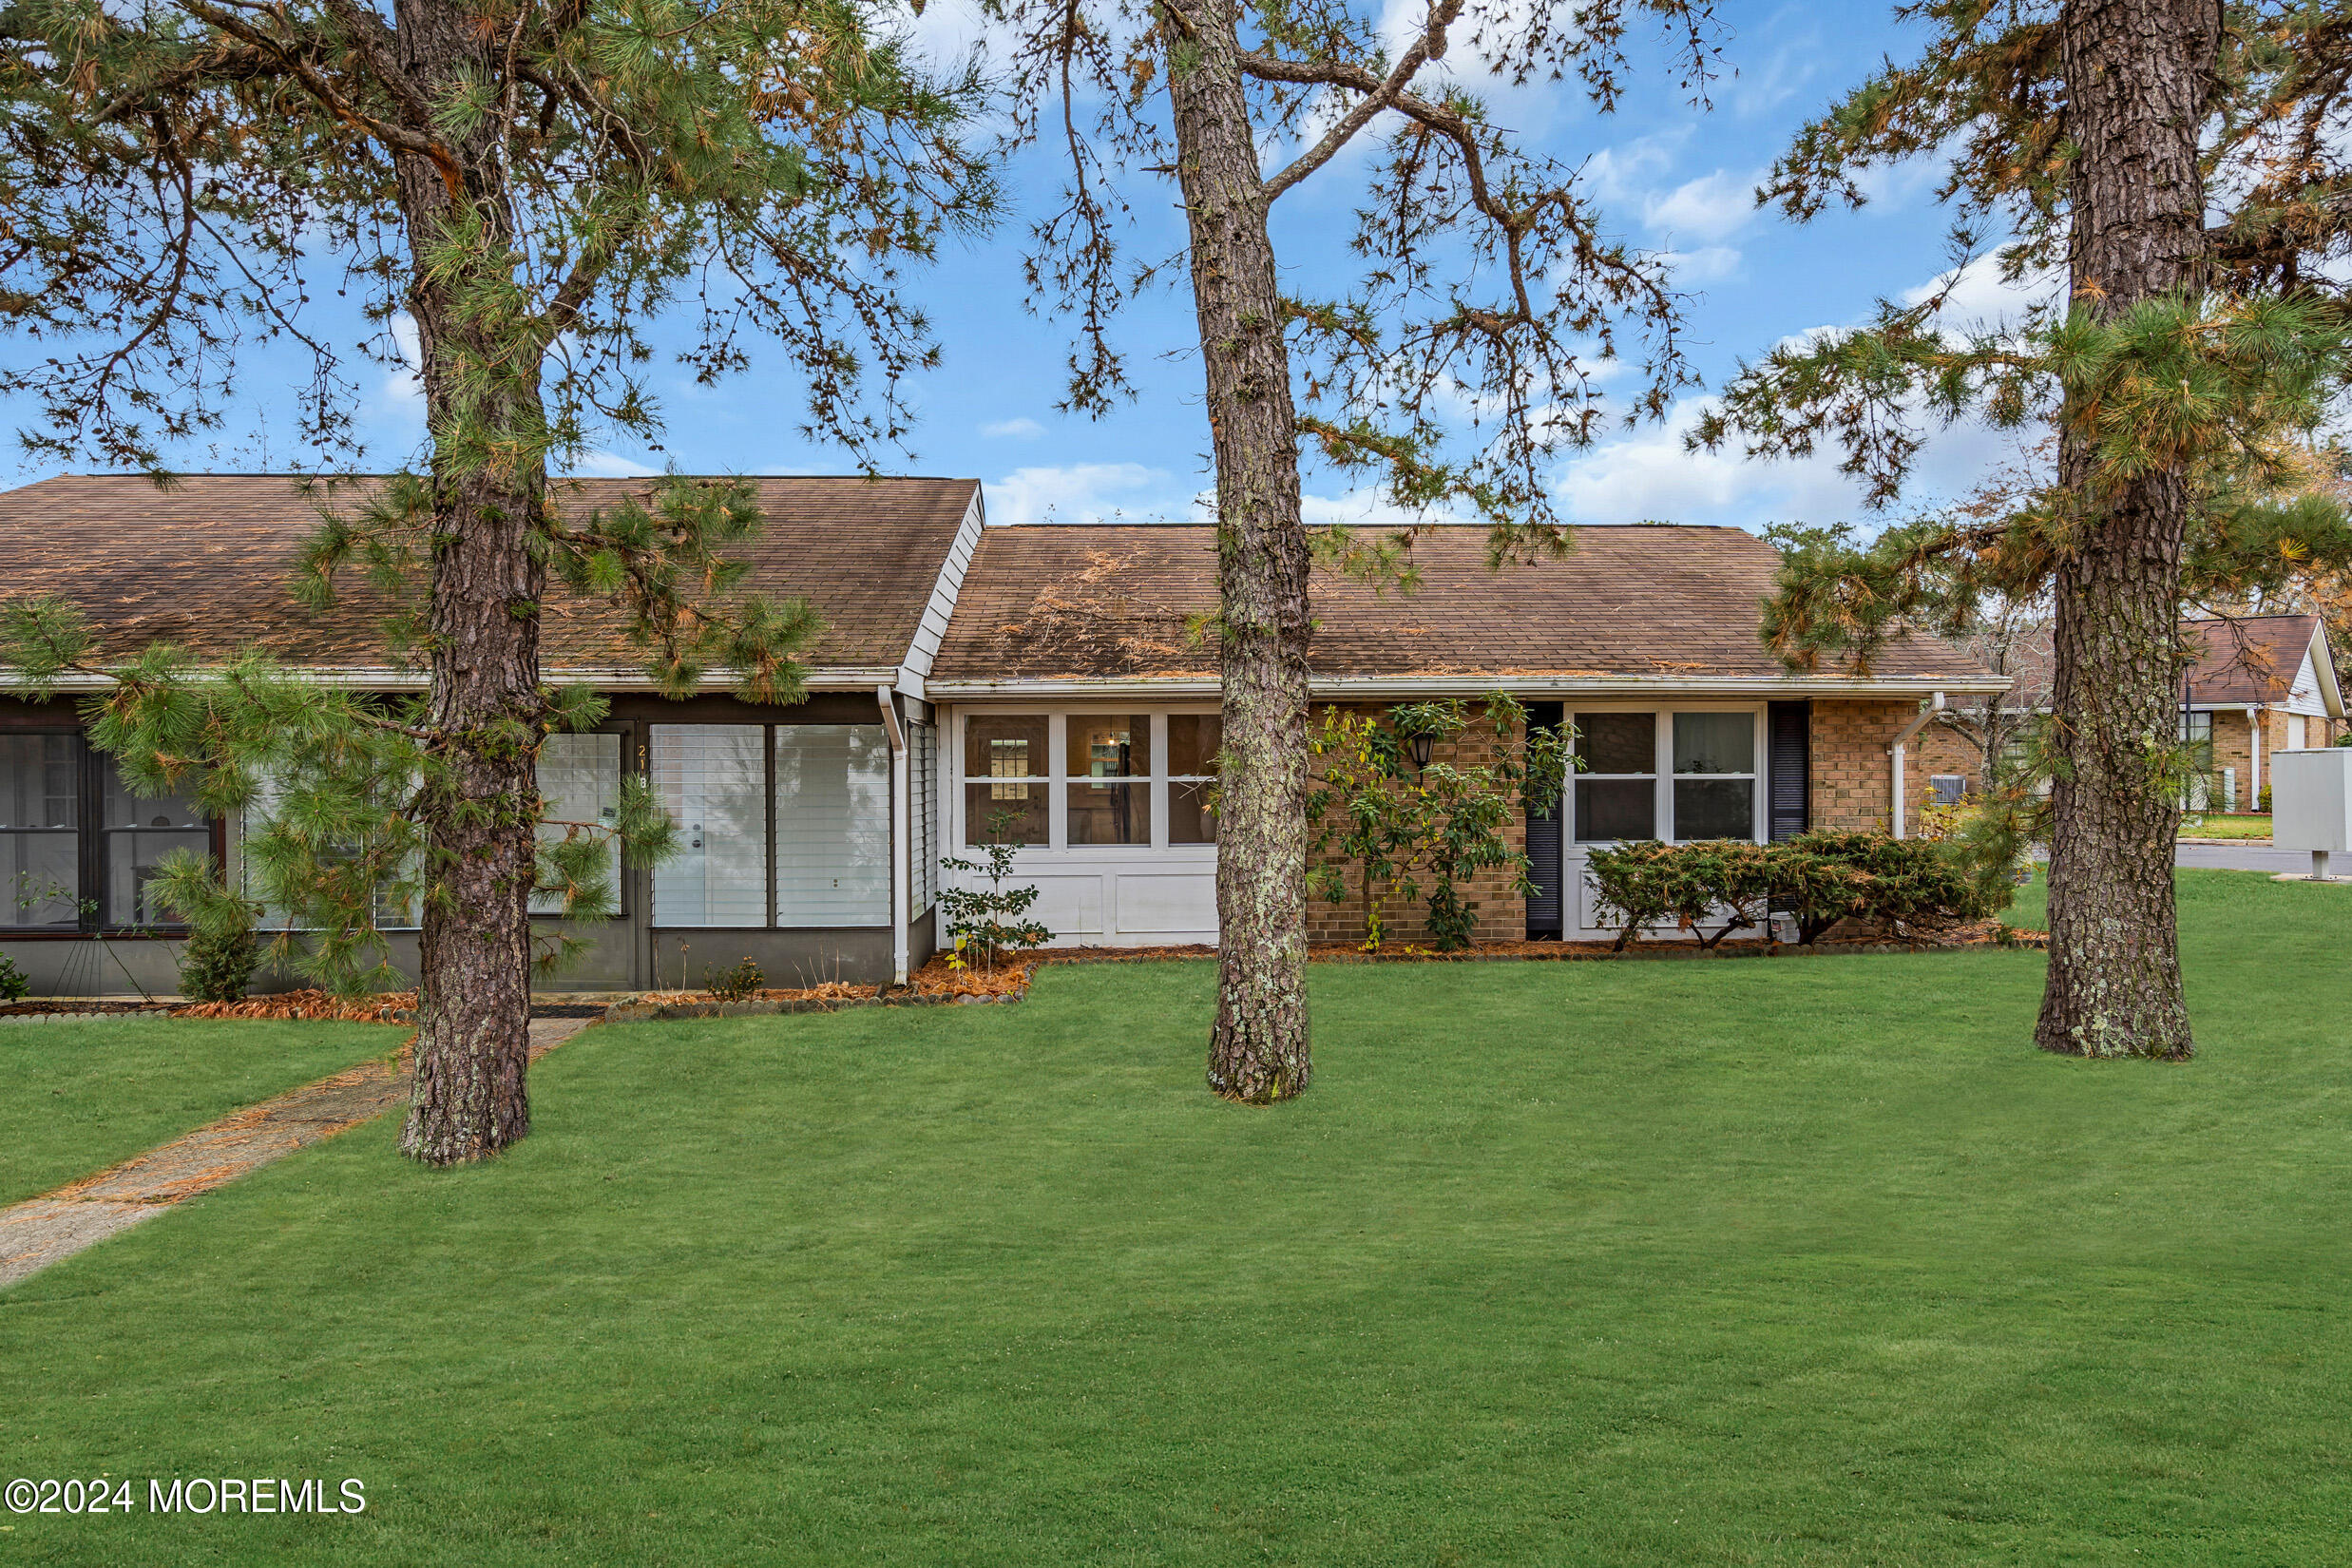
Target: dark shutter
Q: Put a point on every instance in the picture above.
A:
(1788, 730)
(1543, 842)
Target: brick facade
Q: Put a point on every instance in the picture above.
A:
(1851, 771)
(1940, 749)
(1501, 912)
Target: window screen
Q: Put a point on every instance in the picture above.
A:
(39, 830)
(712, 780)
(832, 825)
(579, 776)
(137, 833)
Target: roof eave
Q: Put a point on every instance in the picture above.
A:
(1521, 685)
(858, 677)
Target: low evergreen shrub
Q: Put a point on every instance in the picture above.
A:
(1817, 878)
(218, 963)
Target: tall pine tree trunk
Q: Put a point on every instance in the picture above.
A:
(2137, 74)
(1259, 1053)
(473, 1008)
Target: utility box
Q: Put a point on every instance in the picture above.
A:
(2311, 803)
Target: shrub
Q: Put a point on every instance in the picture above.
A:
(218, 963)
(987, 920)
(733, 984)
(1817, 879)
(13, 986)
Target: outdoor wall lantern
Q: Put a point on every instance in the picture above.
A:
(1421, 744)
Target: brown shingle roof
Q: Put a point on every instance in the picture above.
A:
(1078, 602)
(205, 565)
(2247, 658)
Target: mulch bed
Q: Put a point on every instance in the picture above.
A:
(941, 982)
(318, 1006)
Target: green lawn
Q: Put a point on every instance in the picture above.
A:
(76, 1097)
(2217, 825)
(1754, 1262)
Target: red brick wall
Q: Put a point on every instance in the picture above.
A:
(1851, 778)
(1501, 912)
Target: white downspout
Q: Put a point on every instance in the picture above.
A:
(901, 820)
(2253, 751)
(1902, 739)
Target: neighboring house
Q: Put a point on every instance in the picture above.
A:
(1057, 683)
(2256, 685)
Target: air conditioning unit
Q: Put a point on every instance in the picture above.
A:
(2311, 803)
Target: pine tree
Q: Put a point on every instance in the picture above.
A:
(1486, 282)
(2182, 374)
(529, 183)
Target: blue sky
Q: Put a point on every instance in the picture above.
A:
(1671, 178)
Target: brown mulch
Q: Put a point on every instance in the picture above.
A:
(318, 1006)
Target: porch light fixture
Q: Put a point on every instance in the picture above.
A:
(1421, 745)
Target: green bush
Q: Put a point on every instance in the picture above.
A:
(217, 965)
(736, 983)
(13, 986)
(1817, 879)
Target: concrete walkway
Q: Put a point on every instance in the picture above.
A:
(2251, 856)
(41, 1231)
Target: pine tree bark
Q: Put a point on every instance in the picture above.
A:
(1258, 1051)
(469, 1099)
(2138, 75)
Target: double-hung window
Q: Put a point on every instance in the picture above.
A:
(1673, 775)
(1616, 777)
(1714, 775)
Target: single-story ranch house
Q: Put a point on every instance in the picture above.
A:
(2255, 684)
(1051, 681)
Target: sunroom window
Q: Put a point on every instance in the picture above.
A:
(1090, 780)
(1007, 777)
(580, 777)
(135, 833)
(1110, 769)
(1194, 741)
(39, 830)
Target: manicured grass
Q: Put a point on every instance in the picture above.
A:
(1806, 1261)
(76, 1097)
(2215, 825)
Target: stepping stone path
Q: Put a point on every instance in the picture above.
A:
(44, 1229)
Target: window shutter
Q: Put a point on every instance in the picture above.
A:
(1788, 730)
(1544, 841)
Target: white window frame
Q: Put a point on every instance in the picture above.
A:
(1059, 778)
(1662, 764)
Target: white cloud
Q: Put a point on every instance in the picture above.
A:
(1013, 429)
(1649, 476)
(605, 465)
(1082, 493)
(1713, 206)
(1621, 173)
(1981, 300)
(1708, 264)
(401, 394)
